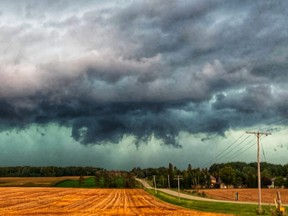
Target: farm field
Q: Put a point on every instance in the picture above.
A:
(84, 202)
(33, 181)
(247, 195)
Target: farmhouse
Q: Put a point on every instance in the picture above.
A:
(277, 182)
(213, 181)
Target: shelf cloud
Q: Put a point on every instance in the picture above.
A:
(110, 69)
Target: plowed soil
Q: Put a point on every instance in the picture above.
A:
(247, 195)
(80, 202)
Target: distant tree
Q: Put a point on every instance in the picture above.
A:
(185, 182)
(285, 170)
(171, 174)
(265, 182)
(138, 172)
(228, 175)
(130, 180)
(249, 176)
(266, 173)
(286, 183)
(81, 180)
(189, 168)
(279, 181)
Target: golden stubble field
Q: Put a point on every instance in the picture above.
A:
(83, 202)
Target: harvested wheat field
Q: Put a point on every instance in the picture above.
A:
(80, 202)
(247, 195)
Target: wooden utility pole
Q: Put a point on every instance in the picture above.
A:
(178, 188)
(168, 181)
(178, 179)
(258, 135)
(279, 208)
(154, 184)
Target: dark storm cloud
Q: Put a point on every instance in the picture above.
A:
(111, 122)
(255, 99)
(109, 69)
(276, 71)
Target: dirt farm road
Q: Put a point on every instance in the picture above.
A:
(191, 197)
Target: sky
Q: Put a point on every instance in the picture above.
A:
(123, 84)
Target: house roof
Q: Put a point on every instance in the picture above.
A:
(212, 178)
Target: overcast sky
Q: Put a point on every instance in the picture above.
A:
(120, 84)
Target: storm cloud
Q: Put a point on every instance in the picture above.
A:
(110, 69)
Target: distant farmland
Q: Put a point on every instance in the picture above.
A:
(33, 181)
(247, 194)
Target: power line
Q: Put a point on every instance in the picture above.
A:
(233, 150)
(236, 150)
(222, 152)
(263, 152)
(240, 152)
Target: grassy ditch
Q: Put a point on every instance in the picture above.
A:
(217, 207)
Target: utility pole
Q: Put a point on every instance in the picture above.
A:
(258, 135)
(168, 181)
(178, 188)
(154, 184)
(178, 179)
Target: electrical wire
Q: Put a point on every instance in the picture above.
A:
(241, 150)
(218, 155)
(236, 152)
(225, 152)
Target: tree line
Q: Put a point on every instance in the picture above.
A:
(238, 174)
(245, 174)
(47, 171)
(102, 178)
(114, 179)
(168, 176)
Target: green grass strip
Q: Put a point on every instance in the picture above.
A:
(87, 183)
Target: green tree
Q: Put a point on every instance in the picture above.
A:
(130, 180)
(266, 173)
(189, 168)
(171, 173)
(250, 176)
(265, 182)
(279, 181)
(286, 183)
(228, 175)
